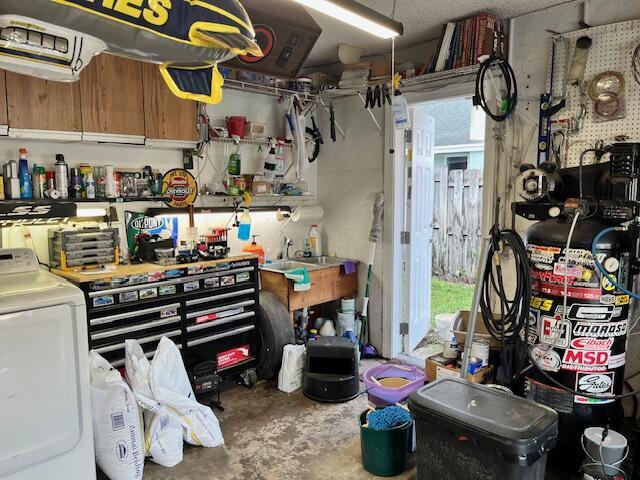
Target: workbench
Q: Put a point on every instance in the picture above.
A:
(209, 309)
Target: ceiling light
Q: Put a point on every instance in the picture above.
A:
(357, 15)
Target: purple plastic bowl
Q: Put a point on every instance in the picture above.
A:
(380, 395)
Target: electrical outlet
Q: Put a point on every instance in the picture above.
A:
(187, 160)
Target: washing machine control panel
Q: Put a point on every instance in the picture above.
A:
(18, 260)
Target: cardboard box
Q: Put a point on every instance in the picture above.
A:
(460, 324)
(259, 187)
(380, 69)
(435, 370)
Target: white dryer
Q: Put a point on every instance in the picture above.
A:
(45, 403)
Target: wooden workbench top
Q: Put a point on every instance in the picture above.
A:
(84, 276)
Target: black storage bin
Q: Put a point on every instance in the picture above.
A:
(466, 430)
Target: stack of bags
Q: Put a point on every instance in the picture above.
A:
(150, 416)
(355, 75)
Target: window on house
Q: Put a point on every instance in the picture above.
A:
(457, 163)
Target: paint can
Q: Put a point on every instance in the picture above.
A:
(348, 304)
(346, 321)
(480, 350)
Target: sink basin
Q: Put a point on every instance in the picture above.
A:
(324, 260)
(282, 266)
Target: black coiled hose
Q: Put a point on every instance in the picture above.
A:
(511, 97)
(514, 310)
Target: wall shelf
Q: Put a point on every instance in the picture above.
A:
(245, 141)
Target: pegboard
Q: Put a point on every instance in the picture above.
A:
(611, 49)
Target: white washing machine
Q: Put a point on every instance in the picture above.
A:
(45, 403)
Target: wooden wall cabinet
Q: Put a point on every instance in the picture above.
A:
(37, 104)
(4, 114)
(111, 93)
(166, 116)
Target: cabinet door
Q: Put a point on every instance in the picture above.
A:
(166, 116)
(4, 116)
(37, 104)
(111, 92)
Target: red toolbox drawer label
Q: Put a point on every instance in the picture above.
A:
(233, 356)
(215, 316)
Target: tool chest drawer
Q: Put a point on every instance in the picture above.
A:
(114, 352)
(229, 348)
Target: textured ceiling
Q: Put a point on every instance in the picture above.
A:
(422, 21)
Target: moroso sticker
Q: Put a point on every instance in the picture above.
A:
(589, 343)
(597, 313)
(585, 360)
(548, 360)
(554, 331)
(618, 360)
(234, 356)
(179, 188)
(600, 330)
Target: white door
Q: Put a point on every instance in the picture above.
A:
(420, 216)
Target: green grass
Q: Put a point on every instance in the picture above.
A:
(449, 297)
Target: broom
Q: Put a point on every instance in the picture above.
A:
(367, 349)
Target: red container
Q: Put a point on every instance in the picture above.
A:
(236, 125)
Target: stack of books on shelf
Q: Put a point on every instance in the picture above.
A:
(464, 41)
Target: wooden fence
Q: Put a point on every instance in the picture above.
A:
(457, 220)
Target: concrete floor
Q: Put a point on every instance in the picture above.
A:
(272, 435)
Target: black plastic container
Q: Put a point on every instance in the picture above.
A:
(331, 370)
(466, 430)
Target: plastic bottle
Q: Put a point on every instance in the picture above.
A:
(256, 250)
(244, 229)
(306, 252)
(90, 186)
(26, 191)
(235, 162)
(314, 241)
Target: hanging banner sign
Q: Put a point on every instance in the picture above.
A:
(179, 188)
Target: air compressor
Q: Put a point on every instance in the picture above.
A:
(582, 255)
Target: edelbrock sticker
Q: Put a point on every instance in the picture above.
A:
(554, 331)
(600, 330)
(548, 360)
(594, 312)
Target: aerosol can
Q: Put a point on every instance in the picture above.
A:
(62, 176)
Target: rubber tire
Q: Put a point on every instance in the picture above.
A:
(274, 332)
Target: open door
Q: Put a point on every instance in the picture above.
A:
(420, 142)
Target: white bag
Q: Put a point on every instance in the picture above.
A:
(171, 387)
(117, 423)
(291, 375)
(162, 432)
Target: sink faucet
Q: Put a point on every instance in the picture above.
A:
(286, 243)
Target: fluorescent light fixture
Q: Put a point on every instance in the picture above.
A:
(91, 212)
(357, 15)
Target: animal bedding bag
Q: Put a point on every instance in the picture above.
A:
(117, 425)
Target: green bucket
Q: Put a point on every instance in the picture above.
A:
(384, 452)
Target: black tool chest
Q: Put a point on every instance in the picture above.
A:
(209, 311)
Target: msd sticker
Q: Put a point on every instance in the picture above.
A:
(597, 384)
(233, 356)
(585, 360)
(548, 360)
(554, 331)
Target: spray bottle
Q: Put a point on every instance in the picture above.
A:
(26, 192)
(235, 161)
